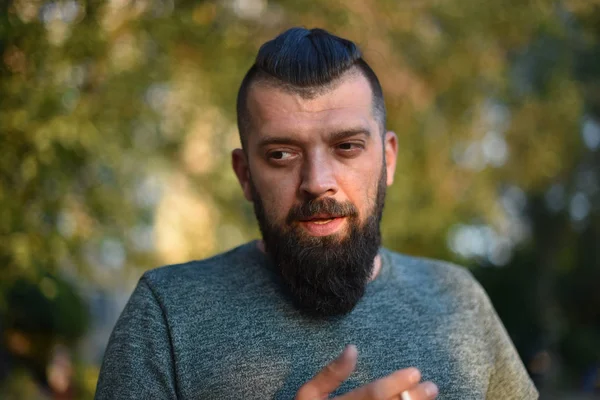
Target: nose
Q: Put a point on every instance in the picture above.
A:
(318, 177)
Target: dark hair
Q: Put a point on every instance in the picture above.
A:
(305, 62)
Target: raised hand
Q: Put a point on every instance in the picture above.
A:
(402, 384)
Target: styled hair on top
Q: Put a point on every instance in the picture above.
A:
(308, 63)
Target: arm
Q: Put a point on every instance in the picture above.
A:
(509, 379)
(138, 362)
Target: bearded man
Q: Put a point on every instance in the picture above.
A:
(265, 320)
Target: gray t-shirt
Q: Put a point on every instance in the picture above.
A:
(223, 328)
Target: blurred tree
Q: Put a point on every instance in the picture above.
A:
(548, 295)
(117, 118)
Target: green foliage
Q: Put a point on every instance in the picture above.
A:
(49, 308)
(117, 119)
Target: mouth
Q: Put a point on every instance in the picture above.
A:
(321, 221)
(322, 225)
(321, 217)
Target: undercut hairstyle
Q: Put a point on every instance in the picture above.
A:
(308, 63)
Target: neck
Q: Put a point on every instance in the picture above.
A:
(376, 261)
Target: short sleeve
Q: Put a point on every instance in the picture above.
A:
(138, 361)
(509, 379)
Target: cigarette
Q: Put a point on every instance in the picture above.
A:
(405, 395)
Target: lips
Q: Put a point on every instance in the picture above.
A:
(320, 217)
(321, 221)
(322, 225)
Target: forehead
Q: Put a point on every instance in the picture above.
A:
(346, 104)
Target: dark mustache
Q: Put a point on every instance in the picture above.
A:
(324, 206)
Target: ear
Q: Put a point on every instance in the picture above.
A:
(239, 161)
(391, 153)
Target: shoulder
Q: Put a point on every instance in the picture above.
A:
(437, 277)
(199, 268)
(228, 269)
(418, 269)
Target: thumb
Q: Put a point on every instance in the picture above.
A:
(330, 377)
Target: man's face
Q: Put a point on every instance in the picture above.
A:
(316, 170)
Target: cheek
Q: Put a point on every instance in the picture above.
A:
(361, 184)
(278, 196)
(370, 199)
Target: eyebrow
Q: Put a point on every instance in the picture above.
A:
(332, 136)
(347, 133)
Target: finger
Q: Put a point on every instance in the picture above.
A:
(387, 387)
(330, 377)
(423, 391)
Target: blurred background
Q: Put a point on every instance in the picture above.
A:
(117, 121)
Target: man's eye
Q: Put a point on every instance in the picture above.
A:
(280, 155)
(349, 146)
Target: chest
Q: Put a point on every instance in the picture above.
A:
(259, 357)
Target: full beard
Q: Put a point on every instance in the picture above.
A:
(325, 276)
